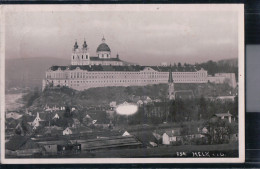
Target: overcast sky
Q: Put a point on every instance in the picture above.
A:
(140, 37)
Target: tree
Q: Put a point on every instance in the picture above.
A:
(129, 90)
(234, 109)
(64, 122)
(172, 111)
(31, 97)
(22, 129)
(180, 110)
(67, 113)
(180, 68)
(218, 130)
(202, 108)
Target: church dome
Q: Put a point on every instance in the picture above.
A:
(103, 47)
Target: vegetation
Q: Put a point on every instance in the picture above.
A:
(30, 97)
(220, 130)
(219, 67)
(105, 95)
(223, 66)
(185, 113)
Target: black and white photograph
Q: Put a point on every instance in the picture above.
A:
(132, 83)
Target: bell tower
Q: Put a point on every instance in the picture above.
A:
(80, 56)
(171, 92)
(84, 54)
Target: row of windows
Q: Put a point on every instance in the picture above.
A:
(101, 75)
(115, 81)
(124, 81)
(137, 73)
(104, 55)
(95, 77)
(96, 63)
(78, 57)
(130, 81)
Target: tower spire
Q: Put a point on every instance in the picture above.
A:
(76, 45)
(85, 44)
(171, 92)
(170, 80)
(103, 39)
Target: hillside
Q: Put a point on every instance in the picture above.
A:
(105, 95)
(97, 96)
(28, 72)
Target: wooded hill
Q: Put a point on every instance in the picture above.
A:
(104, 95)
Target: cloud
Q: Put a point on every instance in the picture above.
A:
(135, 35)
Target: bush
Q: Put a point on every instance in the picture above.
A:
(176, 143)
(199, 141)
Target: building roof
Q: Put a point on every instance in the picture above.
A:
(132, 68)
(54, 142)
(16, 142)
(95, 58)
(53, 130)
(145, 137)
(27, 118)
(83, 129)
(85, 44)
(103, 47)
(11, 123)
(99, 115)
(78, 130)
(223, 114)
(170, 80)
(109, 142)
(13, 115)
(184, 94)
(170, 133)
(30, 144)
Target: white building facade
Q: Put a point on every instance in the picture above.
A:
(103, 70)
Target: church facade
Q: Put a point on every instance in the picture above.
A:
(80, 56)
(104, 70)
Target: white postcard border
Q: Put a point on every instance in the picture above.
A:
(129, 7)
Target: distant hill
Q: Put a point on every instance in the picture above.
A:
(29, 72)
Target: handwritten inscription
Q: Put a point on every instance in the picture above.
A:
(200, 154)
(181, 154)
